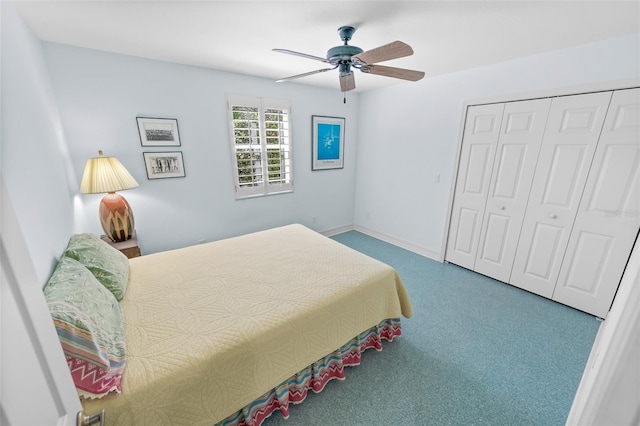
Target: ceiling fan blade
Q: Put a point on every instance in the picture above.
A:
(347, 82)
(393, 50)
(304, 55)
(306, 74)
(402, 73)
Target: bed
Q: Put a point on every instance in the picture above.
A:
(230, 331)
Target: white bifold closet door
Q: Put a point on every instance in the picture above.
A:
(523, 125)
(481, 132)
(608, 217)
(570, 140)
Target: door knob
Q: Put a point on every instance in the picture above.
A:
(84, 420)
(502, 207)
(553, 216)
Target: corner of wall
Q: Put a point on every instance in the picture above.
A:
(35, 158)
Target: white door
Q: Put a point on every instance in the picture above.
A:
(35, 385)
(481, 131)
(567, 150)
(523, 125)
(608, 218)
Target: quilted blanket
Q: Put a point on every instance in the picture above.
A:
(212, 327)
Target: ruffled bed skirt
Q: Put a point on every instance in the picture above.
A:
(294, 390)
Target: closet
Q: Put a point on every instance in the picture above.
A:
(547, 195)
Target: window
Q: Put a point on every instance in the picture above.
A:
(260, 136)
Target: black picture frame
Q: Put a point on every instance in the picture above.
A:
(164, 165)
(158, 131)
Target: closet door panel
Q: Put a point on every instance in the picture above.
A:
(608, 218)
(544, 247)
(517, 152)
(568, 146)
(482, 128)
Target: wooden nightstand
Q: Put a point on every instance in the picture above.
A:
(129, 248)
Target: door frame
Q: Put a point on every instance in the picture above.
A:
(602, 395)
(23, 287)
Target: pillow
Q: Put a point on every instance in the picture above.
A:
(106, 263)
(90, 325)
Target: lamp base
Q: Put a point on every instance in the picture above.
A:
(116, 217)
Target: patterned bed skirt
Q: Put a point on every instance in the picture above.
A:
(294, 390)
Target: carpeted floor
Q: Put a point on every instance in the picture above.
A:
(476, 352)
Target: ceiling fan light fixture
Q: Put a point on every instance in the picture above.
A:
(344, 69)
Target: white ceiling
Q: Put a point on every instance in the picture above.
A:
(237, 36)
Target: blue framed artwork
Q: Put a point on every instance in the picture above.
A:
(328, 142)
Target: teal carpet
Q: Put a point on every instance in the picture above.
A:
(476, 352)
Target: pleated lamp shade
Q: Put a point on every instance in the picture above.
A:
(107, 174)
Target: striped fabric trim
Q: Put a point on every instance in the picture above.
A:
(92, 381)
(314, 377)
(82, 344)
(94, 370)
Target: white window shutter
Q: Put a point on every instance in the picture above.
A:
(260, 137)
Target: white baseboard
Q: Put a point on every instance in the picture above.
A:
(386, 238)
(400, 243)
(335, 231)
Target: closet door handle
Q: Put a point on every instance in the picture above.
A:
(553, 216)
(502, 207)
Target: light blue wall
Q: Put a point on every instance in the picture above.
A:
(35, 160)
(412, 132)
(100, 95)
(61, 107)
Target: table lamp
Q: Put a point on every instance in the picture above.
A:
(107, 174)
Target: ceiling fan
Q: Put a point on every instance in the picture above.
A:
(346, 58)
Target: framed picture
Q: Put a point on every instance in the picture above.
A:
(328, 142)
(162, 165)
(158, 131)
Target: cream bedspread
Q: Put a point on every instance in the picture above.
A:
(212, 327)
